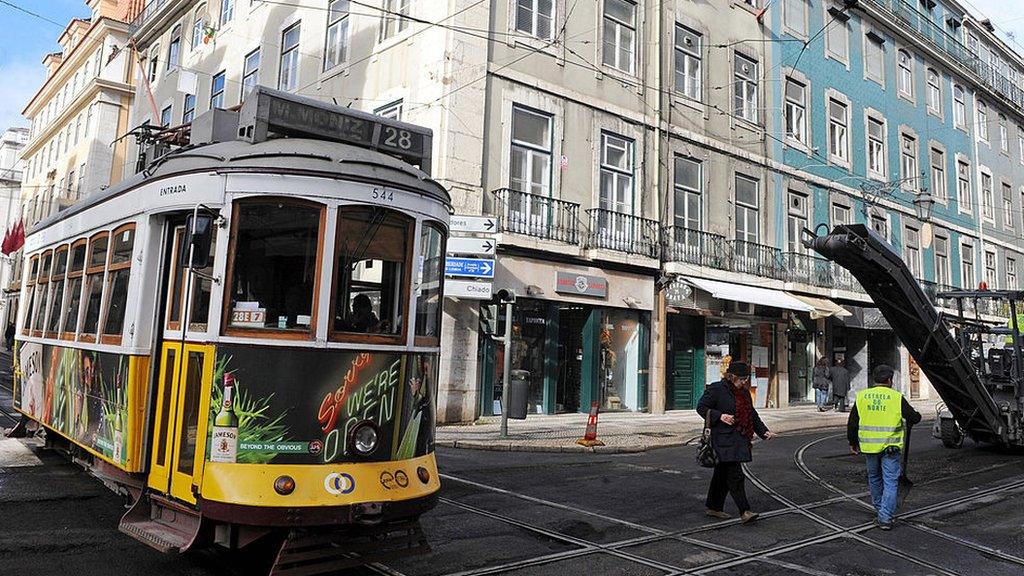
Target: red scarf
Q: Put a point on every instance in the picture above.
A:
(744, 412)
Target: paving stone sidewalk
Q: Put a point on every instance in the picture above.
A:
(629, 432)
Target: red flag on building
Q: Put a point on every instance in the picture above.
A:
(5, 247)
(18, 238)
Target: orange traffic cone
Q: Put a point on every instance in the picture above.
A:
(590, 437)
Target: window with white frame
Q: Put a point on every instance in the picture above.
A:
(217, 90)
(937, 159)
(617, 158)
(880, 224)
(837, 34)
(747, 203)
(250, 72)
(392, 110)
(795, 16)
(991, 270)
(1011, 274)
(198, 26)
(288, 77)
(1004, 135)
(689, 61)
(906, 73)
(912, 250)
(1007, 206)
(909, 176)
(536, 18)
(154, 63)
(982, 121)
(619, 35)
(745, 87)
(941, 254)
(393, 21)
(876, 147)
(336, 41)
(934, 97)
(796, 221)
(959, 107)
(530, 164)
(1020, 142)
(966, 265)
(174, 48)
(963, 186)
(188, 111)
(874, 57)
(227, 11)
(987, 200)
(838, 131)
(841, 214)
(688, 184)
(796, 110)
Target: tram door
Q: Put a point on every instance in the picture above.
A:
(185, 379)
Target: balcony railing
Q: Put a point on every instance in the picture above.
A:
(622, 232)
(756, 259)
(537, 216)
(807, 269)
(147, 12)
(925, 28)
(694, 247)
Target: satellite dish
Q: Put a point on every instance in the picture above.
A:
(926, 235)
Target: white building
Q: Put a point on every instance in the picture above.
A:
(11, 166)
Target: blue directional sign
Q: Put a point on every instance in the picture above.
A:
(469, 267)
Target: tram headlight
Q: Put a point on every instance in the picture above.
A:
(284, 485)
(364, 438)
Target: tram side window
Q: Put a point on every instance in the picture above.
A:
(76, 269)
(94, 284)
(118, 274)
(199, 310)
(369, 284)
(42, 292)
(60, 265)
(275, 265)
(30, 291)
(428, 297)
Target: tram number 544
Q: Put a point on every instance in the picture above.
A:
(383, 195)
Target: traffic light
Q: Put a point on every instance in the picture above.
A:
(489, 319)
(506, 295)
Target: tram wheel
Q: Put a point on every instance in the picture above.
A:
(950, 433)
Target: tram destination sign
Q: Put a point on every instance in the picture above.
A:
(267, 110)
(469, 267)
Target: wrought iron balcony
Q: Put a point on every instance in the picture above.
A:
(537, 216)
(842, 279)
(694, 247)
(148, 11)
(622, 233)
(756, 259)
(807, 269)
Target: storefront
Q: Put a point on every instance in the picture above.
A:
(569, 342)
(865, 340)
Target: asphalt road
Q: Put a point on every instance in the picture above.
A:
(590, 514)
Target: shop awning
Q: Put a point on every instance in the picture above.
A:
(750, 294)
(865, 319)
(822, 308)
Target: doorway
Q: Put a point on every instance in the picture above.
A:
(572, 321)
(686, 372)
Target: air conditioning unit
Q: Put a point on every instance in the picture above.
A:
(743, 307)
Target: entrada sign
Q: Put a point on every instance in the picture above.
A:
(581, 284)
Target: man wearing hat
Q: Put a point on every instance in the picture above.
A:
(876, 430)
(727, 408)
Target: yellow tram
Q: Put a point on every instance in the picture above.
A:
(244, 336)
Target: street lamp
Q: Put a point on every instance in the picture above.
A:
(923, 204)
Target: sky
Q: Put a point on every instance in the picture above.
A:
(26, 39)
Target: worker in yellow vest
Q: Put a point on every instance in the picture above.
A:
(876, 430)
(1008, 339)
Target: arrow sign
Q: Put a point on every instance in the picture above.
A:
(469, 267)
(479, 224)
(483, 246)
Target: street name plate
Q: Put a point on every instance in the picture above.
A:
(467, 289)
(482, 246)
(478, 224)
(469, 267)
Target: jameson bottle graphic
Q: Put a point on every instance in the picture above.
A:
(118, 437)
(224, 445)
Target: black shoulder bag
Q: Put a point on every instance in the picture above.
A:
(706, 455)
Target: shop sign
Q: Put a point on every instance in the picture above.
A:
(581, 285)
(678, 293)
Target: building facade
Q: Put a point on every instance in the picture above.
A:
(11, 171)
(651, 165)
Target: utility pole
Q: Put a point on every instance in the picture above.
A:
(507, 297)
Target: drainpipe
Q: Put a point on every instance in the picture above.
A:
(659, 326)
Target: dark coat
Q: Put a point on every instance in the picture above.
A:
(729, 444)
(840, 381)
(821, 378)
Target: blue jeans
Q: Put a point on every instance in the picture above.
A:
(883, 479)
(820, 397)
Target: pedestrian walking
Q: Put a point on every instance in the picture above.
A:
(727, 406)
(9, 336)
(876, 429)
(840, 384)
(820, 381)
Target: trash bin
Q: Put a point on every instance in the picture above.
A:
(518, 394)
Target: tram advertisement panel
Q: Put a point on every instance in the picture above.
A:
(79, 393)
(299, 406)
